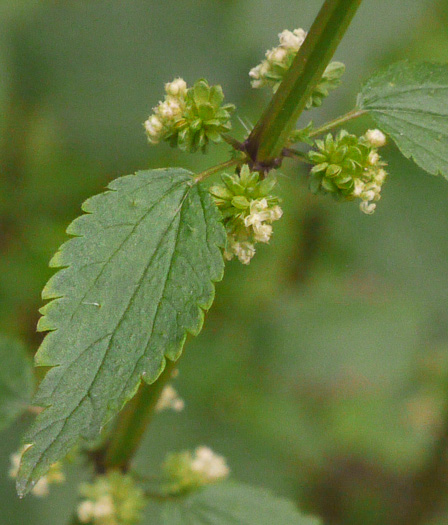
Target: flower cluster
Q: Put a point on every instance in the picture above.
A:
(42, 487)
(170, 400)
(187, 471)
(112, 499)
(248, 211)
(349, 167)
(189, 118)
(278, 60)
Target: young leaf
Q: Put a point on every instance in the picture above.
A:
(232, 504)
(16, 380)
(409, 102)
(135, 280)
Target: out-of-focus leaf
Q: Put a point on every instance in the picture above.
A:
(233, 504)
(16, 380)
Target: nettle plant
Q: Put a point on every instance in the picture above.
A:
(137, 275)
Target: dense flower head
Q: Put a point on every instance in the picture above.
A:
(271, 71)
(349, 167)
(42, 487)
(186, 471)
(248, 211)
(112, 499)
(189, 118)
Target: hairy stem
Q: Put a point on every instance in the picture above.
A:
(271, 132)
(131, 424)
(351, 115)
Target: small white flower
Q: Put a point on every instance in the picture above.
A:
(176, 88)
(278, 54)
(367, 208)
(261, 204)
(359, 188)
(256, 84)
(170, 399)
(300, 34)
(104, 507)
(153, 127)
(178, 405)
(380, 176)
(41, 488)
(169, 109)
(257, 215)
(212, 466)
(254, 218)
(276, 213)
(373, 158)
(153, 124)
(262, 232)
(244, 251)
(264, 68)
(255, 72)
(376, 138)
(85, 511)
(15, 464)
(289, 40)
(368, 195)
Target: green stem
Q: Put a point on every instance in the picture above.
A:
(355, 113)
(271, 132)
(131, 424)
(211, 171)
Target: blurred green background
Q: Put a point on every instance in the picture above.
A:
(322, 371)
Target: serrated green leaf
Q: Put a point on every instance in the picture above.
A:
(233, 504)
(409, 102)
(135, 280)
(16, 380)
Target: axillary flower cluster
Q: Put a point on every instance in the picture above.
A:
(189, 118)
(349, 167)
(271, 71)
(186, 471)
(112, 499)
(248, 211)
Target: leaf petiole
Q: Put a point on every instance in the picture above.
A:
(351, 115)
(215, 169)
